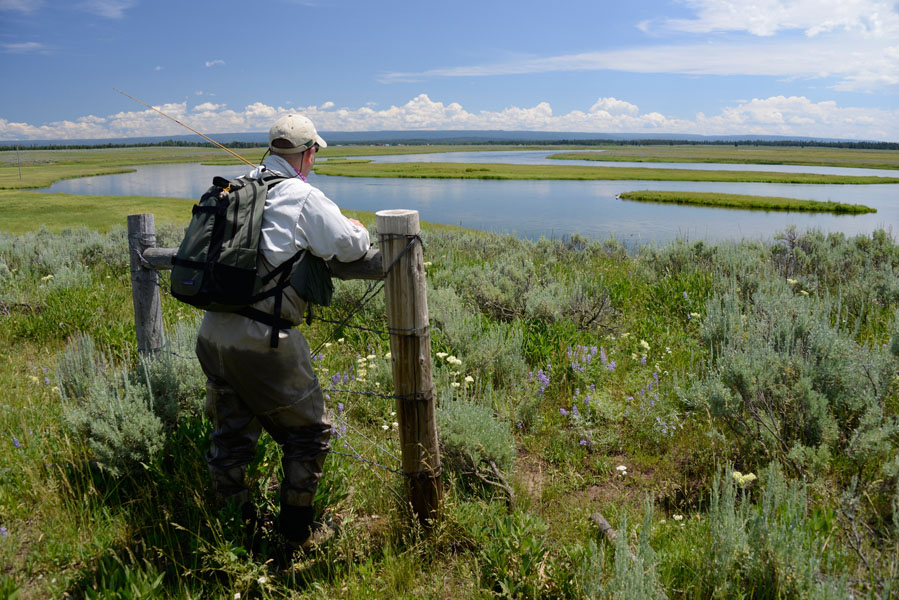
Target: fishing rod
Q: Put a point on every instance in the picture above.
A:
(205, 137)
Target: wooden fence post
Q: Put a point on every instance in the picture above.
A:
(144, 285)
(410, 347)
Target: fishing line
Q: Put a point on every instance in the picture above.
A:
(205, 137)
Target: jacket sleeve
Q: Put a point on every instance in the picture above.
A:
(328, 234)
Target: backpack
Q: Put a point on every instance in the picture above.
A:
(215, 268)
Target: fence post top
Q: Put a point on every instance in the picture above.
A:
(399, 221)
(396, 212)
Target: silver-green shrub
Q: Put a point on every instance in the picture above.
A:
(471, 432)
(125, 413)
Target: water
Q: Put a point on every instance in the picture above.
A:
(548, 208)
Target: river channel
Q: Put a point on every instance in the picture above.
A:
(532, 209)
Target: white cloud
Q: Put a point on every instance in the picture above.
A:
(23, 6)
(111, 9)
(213, 63)
(25, 48)
(327, 105)
(851, 41)
(778, 115)
(207, 107)
(876, 18)
(158, 68)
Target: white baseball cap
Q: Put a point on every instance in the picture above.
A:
(295, 134)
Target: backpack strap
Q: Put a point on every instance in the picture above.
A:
(274, 320)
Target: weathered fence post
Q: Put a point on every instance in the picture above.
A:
(410, 347)
(144, 285)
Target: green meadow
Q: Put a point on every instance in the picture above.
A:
(573, 172)
(730, 409)
(744, 154)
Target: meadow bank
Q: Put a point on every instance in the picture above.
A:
(729, 408)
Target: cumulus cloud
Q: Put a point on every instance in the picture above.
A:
(213, 63)
(777, 115)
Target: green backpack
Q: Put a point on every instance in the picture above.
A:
(215, 268)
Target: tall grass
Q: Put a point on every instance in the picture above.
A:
(572, 377)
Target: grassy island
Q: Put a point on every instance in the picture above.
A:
(743, 154)
(746, 201)
(415, 170)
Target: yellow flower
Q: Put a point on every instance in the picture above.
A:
(792, 281)
(47, 278)
(644, 344)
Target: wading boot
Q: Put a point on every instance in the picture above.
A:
(300, 531)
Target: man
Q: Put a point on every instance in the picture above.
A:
(252, 385)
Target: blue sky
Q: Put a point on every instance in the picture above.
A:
(824, 68)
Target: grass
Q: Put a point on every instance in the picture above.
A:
(26, 211)
(745, 154)
(40, 168)
(666, 352)
(571, 172)
(745, 201)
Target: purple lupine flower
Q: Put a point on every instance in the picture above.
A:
(346, 376)
(611, 366)
(46, 381)
(685, 294)
(340, 407)
(563, 412)
(652, 403)
(642, 360)
(3, 531)
(15, 442)
(335, 378)
(602, 356)
(328, 397)
(586, 400)
(630, 398)
(655, 376)
(574, 410)
(584, 443)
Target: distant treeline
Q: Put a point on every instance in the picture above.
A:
(493, 142)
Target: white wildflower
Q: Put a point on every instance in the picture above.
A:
(385, 427)
(469, 379)
(387, 356)
(644, 344)
(455, 384)
(442, 355)
(371, 357)
(678, 517)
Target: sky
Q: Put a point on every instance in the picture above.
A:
(819, 68)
